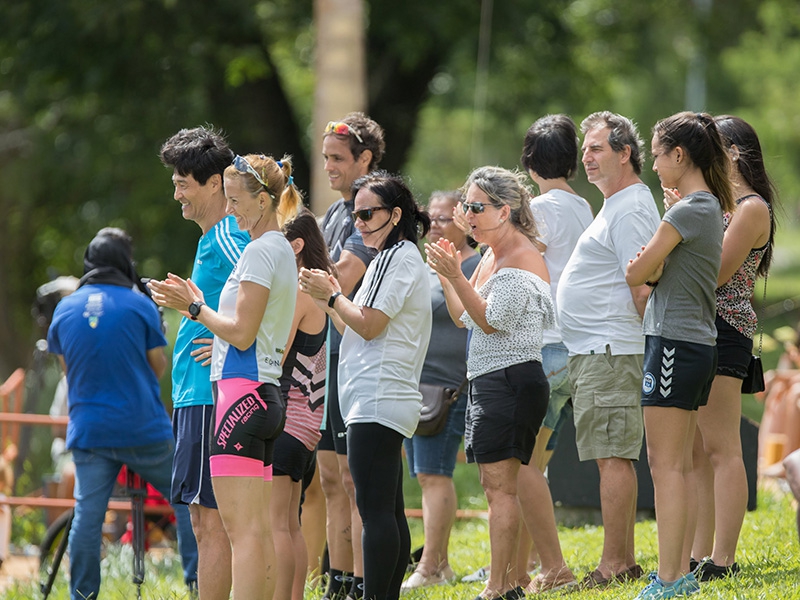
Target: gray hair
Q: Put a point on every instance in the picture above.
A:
(504, 187)
(622, 132)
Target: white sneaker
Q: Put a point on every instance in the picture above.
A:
(418, 580)
(478, 576)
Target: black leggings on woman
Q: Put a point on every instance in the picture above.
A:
(373, 453)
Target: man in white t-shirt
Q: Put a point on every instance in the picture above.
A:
(601, 325)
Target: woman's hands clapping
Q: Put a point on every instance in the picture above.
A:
(444, 258)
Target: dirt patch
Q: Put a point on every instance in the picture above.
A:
(18, 568)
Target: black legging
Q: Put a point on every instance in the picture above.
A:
(373, 453)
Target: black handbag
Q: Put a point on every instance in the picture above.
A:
(436, 401)
(754, 382)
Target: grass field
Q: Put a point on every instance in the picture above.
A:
(768, 555)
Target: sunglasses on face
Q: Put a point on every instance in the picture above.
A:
(340, 128)
(476, 207)
(365, 214)
(240, 164)
(441, 221)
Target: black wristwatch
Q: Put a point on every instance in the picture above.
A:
(332, 299)
(194, 310)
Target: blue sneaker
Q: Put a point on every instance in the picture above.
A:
(658, 590)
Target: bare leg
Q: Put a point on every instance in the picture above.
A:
(313, 526)
(618, 490)
(703, 480)
(719, 423)
(439, 503)
(355, 517)
(499, 481)
(244, 508)
(298, 542)
(340, 549)
(669, 432)
(537, 510)
(213, 553)
(527, 554)
(280, 515)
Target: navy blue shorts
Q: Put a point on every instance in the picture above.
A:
(191, 476)
(677, 374)
(291, 458)
(733, 350)
(504, 412)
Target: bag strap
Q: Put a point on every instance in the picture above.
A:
(761, 321)
(458, 391)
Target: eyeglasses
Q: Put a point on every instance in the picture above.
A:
(240, 164)
(340, 128)
(365, 214)
(442, 220)
(476, 207)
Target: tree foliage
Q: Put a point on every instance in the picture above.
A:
(89, 91)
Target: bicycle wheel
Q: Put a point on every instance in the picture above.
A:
(52, 550)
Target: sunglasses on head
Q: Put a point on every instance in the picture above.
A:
(240, 164)
(365, 214)
(476, 207)
(340, 128)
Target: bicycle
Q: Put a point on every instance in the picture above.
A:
(55, 541)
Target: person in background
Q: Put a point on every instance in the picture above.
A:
(432, 459)
(599, 316)
(250, 328)
(746, 253)
(303, 387)
(550, 156)
(109, 339)
(385, 328)
(351, 148)
(506, 305)
(198, 158)
(681, 264)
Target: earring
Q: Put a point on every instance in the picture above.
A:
(394, 223)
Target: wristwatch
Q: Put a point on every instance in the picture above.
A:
(332, 299)
(194, 309)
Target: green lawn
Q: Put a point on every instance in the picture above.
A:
(768, 554)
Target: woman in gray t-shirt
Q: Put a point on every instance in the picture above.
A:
(682, 259)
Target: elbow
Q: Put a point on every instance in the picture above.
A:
(242, 342)
(632, 278)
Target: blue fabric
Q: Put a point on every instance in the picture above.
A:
(104, 333)
(95, 473)
(217, 253)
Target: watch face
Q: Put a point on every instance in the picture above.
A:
(194, 309)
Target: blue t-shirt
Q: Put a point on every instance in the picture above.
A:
(104, 332)
(218, 251)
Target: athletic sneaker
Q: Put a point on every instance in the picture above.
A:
(706, 570)
(478, 576)
(658, 590)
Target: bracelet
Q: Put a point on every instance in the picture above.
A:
(332, 299)
(651, 284)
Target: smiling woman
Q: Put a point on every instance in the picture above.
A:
(251, 330)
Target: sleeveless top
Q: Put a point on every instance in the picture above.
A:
(303, 387)
(733, 296)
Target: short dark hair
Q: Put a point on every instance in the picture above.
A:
(200, 152)
(392, 192)
(370, 132)
(622, 132)
(551, 147)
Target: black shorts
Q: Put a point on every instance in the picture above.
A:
(504, 412)
(191, 476)
(291, 458)
(677, 374)
(733, 350)
(334, 436)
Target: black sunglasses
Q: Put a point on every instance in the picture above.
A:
(365, 214)
(476, 207)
